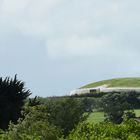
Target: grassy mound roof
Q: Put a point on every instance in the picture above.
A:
(118, 82)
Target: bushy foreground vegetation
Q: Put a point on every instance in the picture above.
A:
(128, 130)
(47, 121)
(66, 118)
(39, 129)
(35, 126)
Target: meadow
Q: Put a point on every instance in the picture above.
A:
(118, 82)
(96, 117)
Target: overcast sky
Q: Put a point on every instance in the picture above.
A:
(56, 46)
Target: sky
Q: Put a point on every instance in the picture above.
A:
(56, 46)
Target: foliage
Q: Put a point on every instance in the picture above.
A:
(87, 104)
(12, 96)
(115, 104)
(128, 130)
(66, 113)
(34, 101)
(35, 126)
(47, 121)
(129, 114)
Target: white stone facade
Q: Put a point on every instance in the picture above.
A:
(103, 88)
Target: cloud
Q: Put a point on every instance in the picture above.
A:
(30, 17)
(76, 27)
(76, 46)
(93, 28)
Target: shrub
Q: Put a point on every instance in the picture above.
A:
(128, 130)
(66, 113)
(34, 126)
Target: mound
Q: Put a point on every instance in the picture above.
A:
(119, 82)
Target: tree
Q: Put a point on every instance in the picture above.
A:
(65, 113)
(114, 106)
(12, 97)
(34, 126)
(87, 104)
(34, 101)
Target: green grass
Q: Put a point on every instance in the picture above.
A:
(119, 82)
(137, 111)
(97, 117)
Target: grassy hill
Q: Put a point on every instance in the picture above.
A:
(118, 82)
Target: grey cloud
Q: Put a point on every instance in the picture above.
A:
(116, 20)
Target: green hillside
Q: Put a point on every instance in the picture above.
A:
(119, 82)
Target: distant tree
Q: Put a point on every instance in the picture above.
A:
(34, 101)
(65, 113)
(87, 104)
(114, 106)
(133, 99)
(129, 115)
(12, 97)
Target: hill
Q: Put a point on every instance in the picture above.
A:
(118, 82)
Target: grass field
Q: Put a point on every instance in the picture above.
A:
(97, 117)
(137, 111)
(119, 82)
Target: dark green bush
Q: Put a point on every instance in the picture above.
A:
(65, 113)
(114, 105)
(34, 126)
(12, 98)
